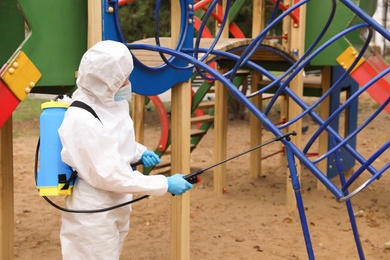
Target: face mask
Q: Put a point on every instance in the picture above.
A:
(123, 93)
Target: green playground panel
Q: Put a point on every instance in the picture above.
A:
(316, 17)
(56, 42)
(11, 29)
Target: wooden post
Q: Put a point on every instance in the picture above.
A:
(297, 45)
(220, 135)
(256, 129)
(220, 121)
(287, 29)
(347, 129)
(324, 114)
(6, 192)
(180, 163)
(225, 32)
(137, 114)
(255, 123)
(257, 17)
(94, 22)
(283, 99)
(180, 156)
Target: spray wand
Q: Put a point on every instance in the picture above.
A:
(194, 178)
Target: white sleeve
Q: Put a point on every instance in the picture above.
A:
(139, 152)
(93, 153)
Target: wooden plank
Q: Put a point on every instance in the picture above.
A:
(201, 119)
(206, 104)
(311, 86)
(6, 192)
(197, 132)
(153, 59)
(309, 82)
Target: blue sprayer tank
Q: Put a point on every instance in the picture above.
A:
(52, 170)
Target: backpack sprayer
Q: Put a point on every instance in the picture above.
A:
(57, 178)
(51, 179)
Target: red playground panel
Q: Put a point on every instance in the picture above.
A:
(8, 102)
(380, 90)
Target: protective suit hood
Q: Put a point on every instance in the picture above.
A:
(103, 70)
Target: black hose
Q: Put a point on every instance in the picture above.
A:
(191, 177)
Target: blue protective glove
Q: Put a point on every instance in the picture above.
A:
(149, 158)
(177, 185)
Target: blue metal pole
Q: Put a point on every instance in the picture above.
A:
(298, 197)
(348, 203)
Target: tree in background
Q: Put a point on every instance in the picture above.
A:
(138, 19)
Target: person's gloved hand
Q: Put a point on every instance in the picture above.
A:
(177, 185)
(149, 158)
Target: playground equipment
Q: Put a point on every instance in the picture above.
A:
(44, 48)
(331, 45)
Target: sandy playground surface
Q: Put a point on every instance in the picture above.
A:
(249, 221)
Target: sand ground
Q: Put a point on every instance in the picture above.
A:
(249, 221)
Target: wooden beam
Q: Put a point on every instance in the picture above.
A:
(286, 28)
(297, 45)
(257, 17)
(255, 123)
(180, 156)
(137, 114)
(220, 135)
(94, 22)
(6, 192)
(324, 114)
(153, 59)
(220, 121)
(225, 32)
(256, 129)
(347, 129)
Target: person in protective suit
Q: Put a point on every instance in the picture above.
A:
(101, 152)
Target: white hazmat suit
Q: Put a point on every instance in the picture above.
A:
(101, 153)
